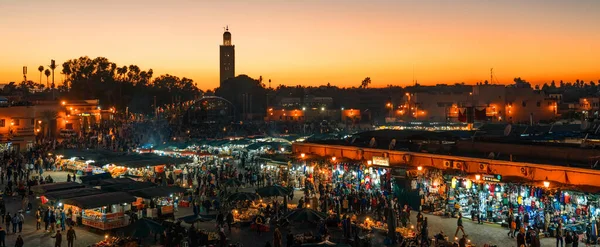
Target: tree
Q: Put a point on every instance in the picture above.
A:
(47, 73)
(9, 88)
(365, 83)
(553, 84)
(53, 67)
(41, 69)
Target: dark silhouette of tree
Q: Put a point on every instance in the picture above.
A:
(47, 73)
(124, 86)
(41, 69)
(365, 83)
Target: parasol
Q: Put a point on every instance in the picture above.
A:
(273, 190)
(233, 182)
(242, 196)
(190, 219)
(305, 214)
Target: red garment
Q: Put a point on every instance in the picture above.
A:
(492, 188)
(567, 198)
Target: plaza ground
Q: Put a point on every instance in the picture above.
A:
(479, 234)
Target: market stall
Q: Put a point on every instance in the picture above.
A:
(51, 187)
(102, 211)
(161, 198)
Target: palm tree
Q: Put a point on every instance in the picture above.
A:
(48, 120)
(41, 69)
(47, 73)
(53, 67)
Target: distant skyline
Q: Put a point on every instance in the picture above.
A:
(310, 42)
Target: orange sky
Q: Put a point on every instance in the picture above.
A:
(311, 42)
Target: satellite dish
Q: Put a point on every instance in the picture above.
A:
(392, 144)
(507, 130)
(373, 142)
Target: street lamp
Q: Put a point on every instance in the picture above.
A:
(546, 183)
(333, 158)
(420, 168)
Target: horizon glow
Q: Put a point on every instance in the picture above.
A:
(311, 42)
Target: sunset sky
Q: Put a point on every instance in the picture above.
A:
(311, 42)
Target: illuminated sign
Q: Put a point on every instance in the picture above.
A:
(492, 178)
(381, 161)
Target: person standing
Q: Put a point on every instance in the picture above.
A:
(229, 220)
(58, 237)
(459, 225)
(19, 242)
(419, 220)
(277, 238)
(568, 239)
(15, 222)
(424, 233)
(512, 226)
(7, 219)
(71, 237)
(63, 219)
(20, 221)
(521, 238)
(2, 237)
(52, 221)
(38, 219)
(559, 234)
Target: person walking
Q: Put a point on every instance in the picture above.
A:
(459, 225)
(19, 242)
(58, 237)
(71, 237)
(2, 237)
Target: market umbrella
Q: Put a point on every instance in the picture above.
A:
(273, 190)
(325, 244)
(143, 227)
(242, 196)
(233, 182)
(305, 214)
(190, 219)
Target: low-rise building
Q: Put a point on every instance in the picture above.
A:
(20, 124)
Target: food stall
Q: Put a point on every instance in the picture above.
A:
(43, 189)
(101, 211)
(244, 216)
(162, 197)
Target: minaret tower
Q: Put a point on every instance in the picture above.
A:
(227, 58)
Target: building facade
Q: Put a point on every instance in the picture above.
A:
(496, 103)
(227, 58)
(20, 125)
